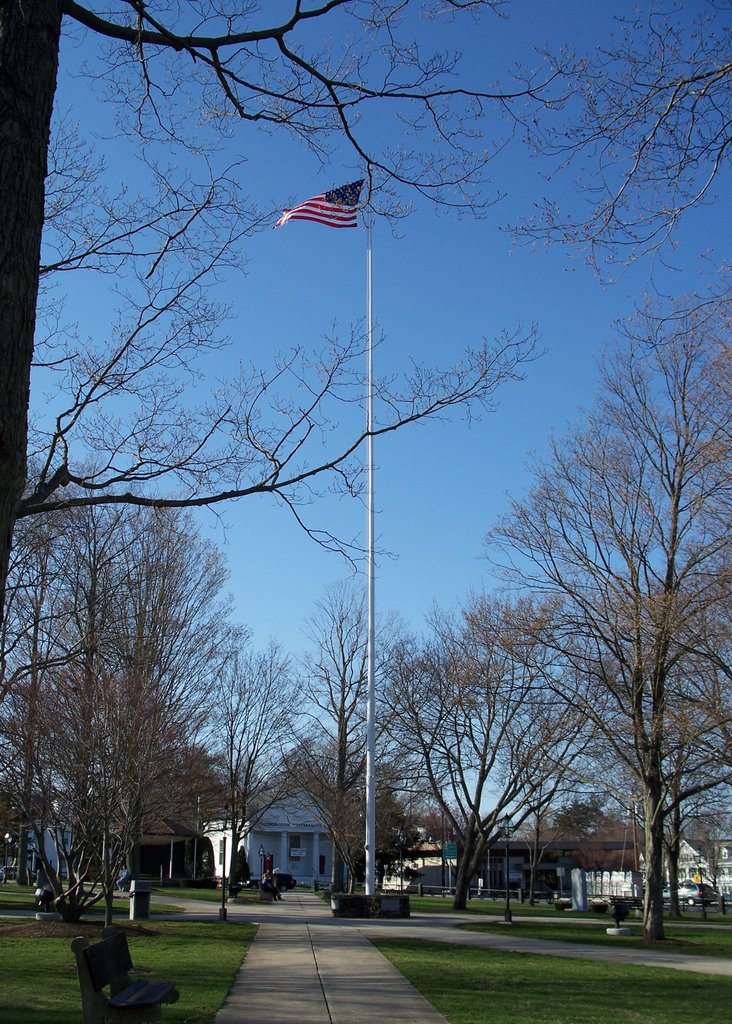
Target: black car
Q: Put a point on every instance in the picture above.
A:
(283, 880)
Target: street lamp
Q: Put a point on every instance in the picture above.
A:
(507, 829)
(9, 840)
(222, 908)
(401, 837)
(261, 863)
(195, 838)
(442, 853)
(31, 855)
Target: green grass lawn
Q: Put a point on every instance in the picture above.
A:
(184, 893)
(480, 908)
(443, 905)
(475, 986)
(206, 895)
(15, 897)
(38, 980)
(702, 941)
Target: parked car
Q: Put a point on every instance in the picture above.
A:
(283, 880)
(8, 874)
(694, 894)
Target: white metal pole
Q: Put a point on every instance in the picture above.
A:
(371, 686)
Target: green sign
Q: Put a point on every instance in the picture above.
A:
(449, 851)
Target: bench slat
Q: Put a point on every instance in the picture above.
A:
(143, 993)
(98, 965)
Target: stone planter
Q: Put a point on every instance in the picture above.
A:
(380, 905)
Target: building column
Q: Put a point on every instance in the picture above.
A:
(284, 857)
(316, 855)
(252, 845)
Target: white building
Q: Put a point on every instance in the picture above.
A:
(693, 864)
(290, 837)
(287, 837)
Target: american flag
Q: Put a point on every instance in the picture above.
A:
(335, 209)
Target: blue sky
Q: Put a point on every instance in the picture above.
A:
(440, 283)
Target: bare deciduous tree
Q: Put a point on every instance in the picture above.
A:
(239, 61)
(329, 761)
(252, 719)
(105, 712)
(652, 137)
(627, 522)
(482, 725)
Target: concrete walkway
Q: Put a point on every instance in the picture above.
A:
(306, 966)
(315, 975)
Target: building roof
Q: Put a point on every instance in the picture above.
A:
(165, 830)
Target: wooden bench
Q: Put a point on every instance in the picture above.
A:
(631, 902)
(107, 964)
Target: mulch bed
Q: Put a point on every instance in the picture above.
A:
(64, 930)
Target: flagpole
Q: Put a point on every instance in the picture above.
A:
(371, 660)
(339, 208)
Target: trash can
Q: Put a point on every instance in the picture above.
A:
(139, 899)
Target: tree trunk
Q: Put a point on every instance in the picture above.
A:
(653, 903)
(29, 49)
(108, 907)
(673, 849)
(337, 880)
(471, 854)
(107, 881)
(234, 855)
(22, 860)
(534, 858)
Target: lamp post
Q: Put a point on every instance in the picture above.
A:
(507, 828)
(261, 862)
(401, 837)
(31, 855)
(442, 853)
(222, 908)
(195, 838)
(9, 842)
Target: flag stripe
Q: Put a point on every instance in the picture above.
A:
(322, 215)
(335, 209)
